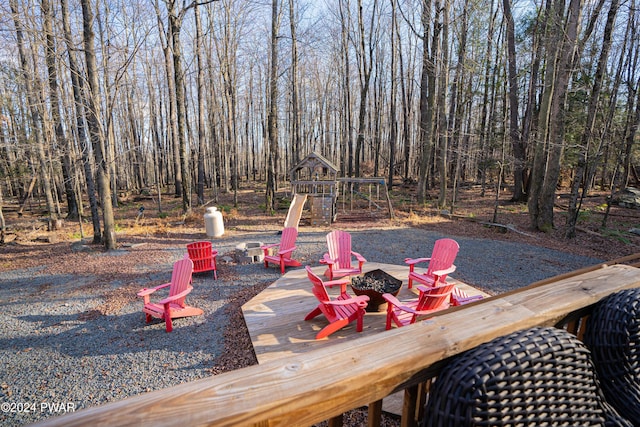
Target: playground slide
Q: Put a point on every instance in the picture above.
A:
(295, 211)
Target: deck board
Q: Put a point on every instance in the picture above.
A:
(275, 317)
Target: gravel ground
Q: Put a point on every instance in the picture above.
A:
(67, 342)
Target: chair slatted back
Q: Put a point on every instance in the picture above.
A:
(181, 278)
(320, 293)
(443, 255)
(339, 244)
(288, 240)
(434, 297)
(201, 253)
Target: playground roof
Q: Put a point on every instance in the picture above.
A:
(313, 160)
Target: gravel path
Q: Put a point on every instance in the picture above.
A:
(67, 343)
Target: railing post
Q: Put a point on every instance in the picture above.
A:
(374, 414)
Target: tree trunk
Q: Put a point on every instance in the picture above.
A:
(483, 162)
(173, 117)
(175, 27)
(366, 60)
(557, 111)
(201, 107)
(346, 147)
(587, 134)
(519, 150)
(272, 120)
(427, 103)
(95, 126)
(62, 141)
(443, 126)
(77, 85)
(35, 115)
(393, 120)
(295, 107)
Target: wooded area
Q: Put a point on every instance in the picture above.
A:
(100, 98)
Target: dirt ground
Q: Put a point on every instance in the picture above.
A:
(27, 235)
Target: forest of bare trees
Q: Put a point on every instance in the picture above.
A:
(103, 97)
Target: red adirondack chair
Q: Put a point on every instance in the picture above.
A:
(172, 306)
(440, 264)
(338, 259)
(430, 300)
(203, 257)
(285, 249)
(340, 311)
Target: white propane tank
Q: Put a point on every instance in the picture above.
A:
(213, 224)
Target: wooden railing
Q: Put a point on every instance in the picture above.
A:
(323, 384)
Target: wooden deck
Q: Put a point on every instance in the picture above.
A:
(275, 317)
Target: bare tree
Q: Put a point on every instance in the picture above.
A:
(173, 117)
(582, 168)
(62, 140)
(201, 107)
(519, 149)
(560, 45)
(295, 107)
(365, 56)
(427, 98)
(35, 116)
(94, 123)
(272, 119)
(393, 132)
(176, 18)
(77, 84)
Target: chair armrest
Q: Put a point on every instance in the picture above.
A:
(359, 257)
(395, 302)
(423, 288)
(342, 281)
(445, 271)
(326, 259)
(176, 296)
(287, 251)
(149, 291)
(361, 300)
(392, 300)
(265, 248)
(412, 261)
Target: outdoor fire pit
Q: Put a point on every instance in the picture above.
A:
(374, 284)
(250, 252)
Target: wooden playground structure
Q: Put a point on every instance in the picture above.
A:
(316, 179)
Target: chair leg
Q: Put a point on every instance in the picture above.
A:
(147, 317)
(169, 323)
(281, 265)
(389, 315)
(331, 328)
(328, 273)
(360, 321)
(316, 311)
(411, 269)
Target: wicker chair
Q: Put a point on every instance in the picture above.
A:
(539, 376)
(613, 335)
